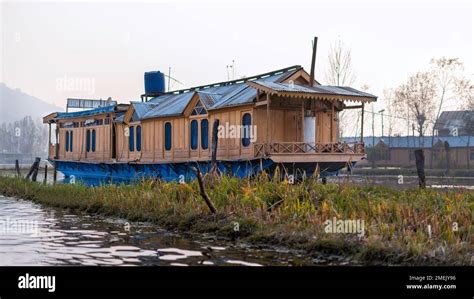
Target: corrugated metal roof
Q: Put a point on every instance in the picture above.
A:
(141, 108)
(119, 119)
(449, 120)
(414, 141)
(168, 105)
(319, 89)
(91, 112)
(212, 97)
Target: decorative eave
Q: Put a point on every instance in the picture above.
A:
(50, 118)
(311, 95)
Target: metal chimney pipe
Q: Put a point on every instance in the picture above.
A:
(313, 61)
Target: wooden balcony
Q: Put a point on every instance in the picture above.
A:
(299, 151)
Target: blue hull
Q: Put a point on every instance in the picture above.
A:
(117, 173)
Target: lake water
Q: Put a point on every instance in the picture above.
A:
(31, 234)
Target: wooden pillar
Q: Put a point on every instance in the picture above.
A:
(332, 121)
(268, 118)
(56, 147)
(362, 124)
(302, 121)
(49, 134)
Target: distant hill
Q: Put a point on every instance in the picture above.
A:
(15, 104)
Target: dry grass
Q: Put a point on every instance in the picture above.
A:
(270, 210)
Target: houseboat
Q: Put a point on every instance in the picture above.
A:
(241, 127)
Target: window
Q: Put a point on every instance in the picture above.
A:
(204, 134)
(93, 140)
(194, 134)
(168, 136)
(246, 123)
(70, 141)
(88, 140)
(67, 141)
(471, 155)
(131, 139)
(199, 109)
(139, 138)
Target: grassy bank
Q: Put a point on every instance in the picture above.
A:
(276, 212)
(411, 171)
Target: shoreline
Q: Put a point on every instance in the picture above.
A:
(265, 212)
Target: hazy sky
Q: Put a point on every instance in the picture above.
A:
(99, 49)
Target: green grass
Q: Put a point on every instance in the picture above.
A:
(272, 211)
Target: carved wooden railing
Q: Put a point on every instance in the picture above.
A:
(265, 149)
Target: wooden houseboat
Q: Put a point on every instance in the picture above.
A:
(283, 118)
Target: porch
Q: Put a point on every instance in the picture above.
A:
(299, 123)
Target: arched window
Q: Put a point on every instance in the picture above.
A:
(67, 141)
(131, 139)
(139, 138)
(204, 134)
(93, 140)
(70, 141)
(194, 134)
(168, 136)
(246, 123)
(88, 140)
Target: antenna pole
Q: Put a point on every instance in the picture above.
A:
(169, 78)
(313, 61)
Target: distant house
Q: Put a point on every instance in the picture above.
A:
(452, 151)
(455, 123)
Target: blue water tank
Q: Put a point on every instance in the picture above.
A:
(154, 82)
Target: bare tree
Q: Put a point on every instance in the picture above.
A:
(340, 73)
(394, 115)
(418, 96)
(464, 89)
(445, 74)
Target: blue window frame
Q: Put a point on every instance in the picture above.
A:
(139, 138)
(70, 141)
(93, 140)
(168, 137)
(246, 123)
(88, 140)
(67, 141)
(194, 134)
(204, 134)
(131, 139)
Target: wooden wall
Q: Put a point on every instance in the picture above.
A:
(103, 144)
(153, 134)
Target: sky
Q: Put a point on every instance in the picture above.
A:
(56, 50)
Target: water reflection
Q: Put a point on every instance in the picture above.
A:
(55, 237)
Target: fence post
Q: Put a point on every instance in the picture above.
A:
(34, 170)
(17, 168)
(45, 179)
(420, 167)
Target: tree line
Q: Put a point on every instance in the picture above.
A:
(25, 137)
